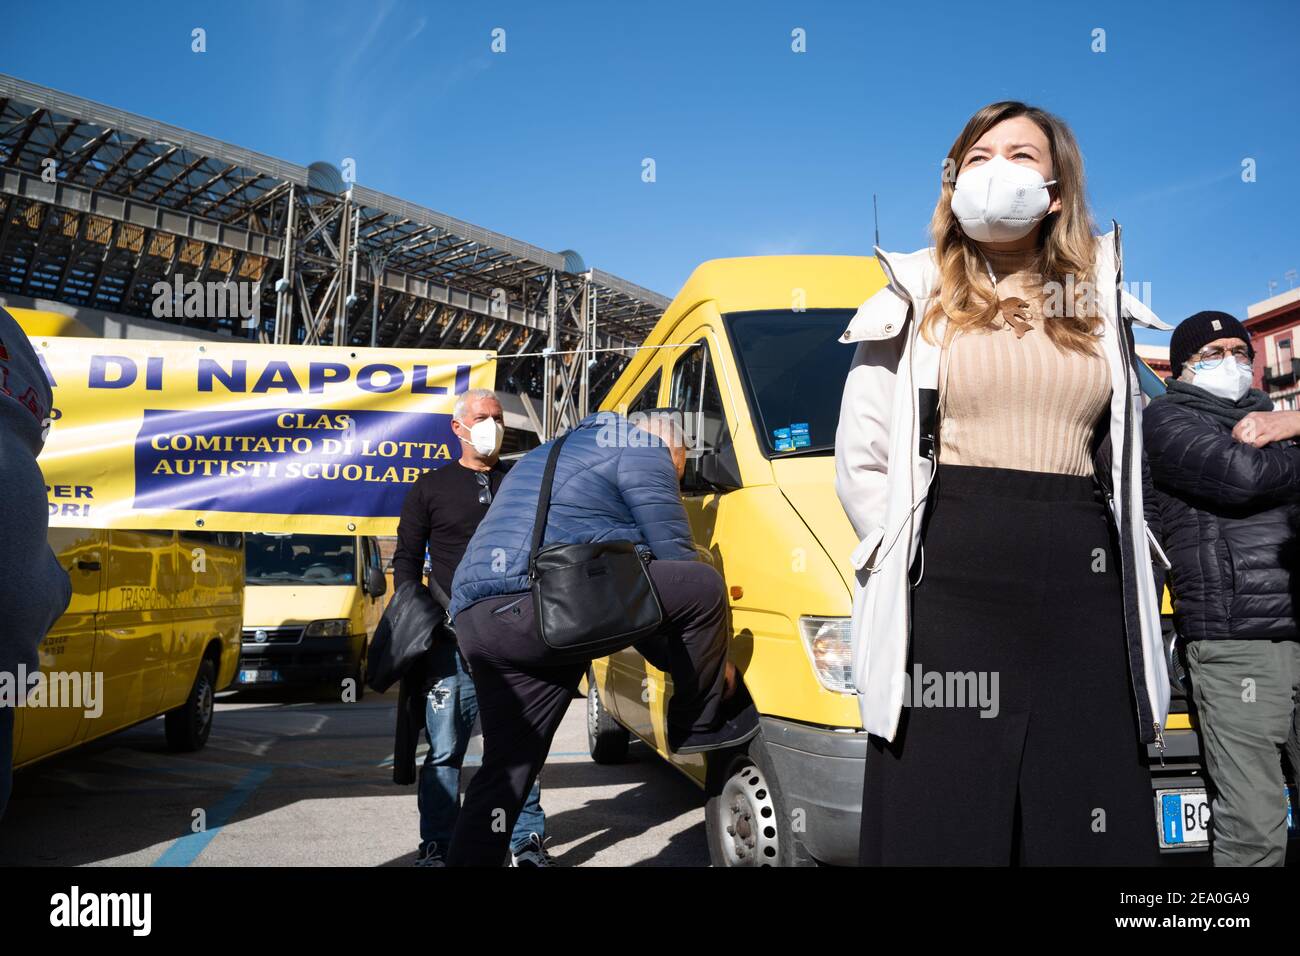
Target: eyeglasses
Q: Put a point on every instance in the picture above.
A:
(1211, 357)
(484, 488)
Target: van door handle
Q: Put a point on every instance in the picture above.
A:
(86, 564)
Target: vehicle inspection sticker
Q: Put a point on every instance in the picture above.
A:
(791, 437)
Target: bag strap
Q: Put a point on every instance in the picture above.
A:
(544, 501)
(440, 598)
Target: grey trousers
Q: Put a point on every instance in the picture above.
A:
(1247, 696)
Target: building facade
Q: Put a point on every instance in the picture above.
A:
(1274, 324)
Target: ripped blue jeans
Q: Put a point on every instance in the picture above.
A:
(450, 710)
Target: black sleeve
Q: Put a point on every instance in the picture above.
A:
(412, 536)
(1151, 509)
(1190, 456)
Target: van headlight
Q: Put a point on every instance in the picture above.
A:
(334, 627)
(829, 645)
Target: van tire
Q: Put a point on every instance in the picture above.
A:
(607, 739)
(188, 725)
(745, 795)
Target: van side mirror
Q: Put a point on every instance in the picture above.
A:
(720, 469)
(715, 470)
(376, 583)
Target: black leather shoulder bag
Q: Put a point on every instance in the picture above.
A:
(588, 599)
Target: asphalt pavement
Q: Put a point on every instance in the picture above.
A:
(286, 780)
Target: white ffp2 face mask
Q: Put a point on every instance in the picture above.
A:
(1229, 380)
(1000, 201)
(485, 436)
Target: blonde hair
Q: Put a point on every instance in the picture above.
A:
(1066, 250)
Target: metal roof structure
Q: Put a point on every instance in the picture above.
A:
(101, 205)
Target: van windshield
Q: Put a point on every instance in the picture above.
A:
(794, 367)
(300, 559)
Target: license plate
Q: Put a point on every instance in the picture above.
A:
(258, 677)
(1184, 817)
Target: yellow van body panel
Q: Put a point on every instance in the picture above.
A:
(805, 483)
(146, 607)
(209, 604)
(296, 605)
(69, 647)
(39, 322)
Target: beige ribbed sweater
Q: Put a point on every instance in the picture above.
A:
(1019, 402)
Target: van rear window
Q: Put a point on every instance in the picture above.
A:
(794, 367)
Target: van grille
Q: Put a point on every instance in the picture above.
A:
(274, 635)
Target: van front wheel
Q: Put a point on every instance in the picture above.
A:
(607, 739)
(189, 724)
(745, 819)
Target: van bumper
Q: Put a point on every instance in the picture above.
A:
(821, 771)
(313, 660)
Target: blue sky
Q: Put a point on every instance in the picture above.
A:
(757, 149)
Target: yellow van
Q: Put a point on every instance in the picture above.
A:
(152, 629)
(749, 351)
(312, 605)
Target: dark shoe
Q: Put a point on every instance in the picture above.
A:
(532, 853)
(740, 723)
(429, 855)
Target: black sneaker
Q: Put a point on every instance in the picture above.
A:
(740, 723)
(532, 853)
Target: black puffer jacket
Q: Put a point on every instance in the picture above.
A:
(1230, 516)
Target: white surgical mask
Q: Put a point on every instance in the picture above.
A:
(1000, 201)
(1229, 380)
(485, 436)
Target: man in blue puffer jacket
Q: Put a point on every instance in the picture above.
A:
(611, 483)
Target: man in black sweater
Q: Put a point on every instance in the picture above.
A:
(441, 512)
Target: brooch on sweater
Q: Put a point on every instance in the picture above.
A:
(1015, 312)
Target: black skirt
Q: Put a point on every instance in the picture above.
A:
(1018, 742)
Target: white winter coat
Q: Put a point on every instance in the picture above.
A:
(882, 476)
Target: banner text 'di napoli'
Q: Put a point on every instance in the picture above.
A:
(246, 437)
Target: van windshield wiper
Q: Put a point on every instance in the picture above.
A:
(801, 452)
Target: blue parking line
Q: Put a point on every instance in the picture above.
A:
(186, 850)
(474, 760)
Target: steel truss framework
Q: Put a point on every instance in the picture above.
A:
(98, 206)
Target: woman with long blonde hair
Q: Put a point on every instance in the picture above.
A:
(1007, 646)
